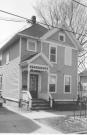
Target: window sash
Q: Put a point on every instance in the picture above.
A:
(31, 46)
(52, 83)
(53, 54)
(52, 57)
(62, 37)
(67, 84)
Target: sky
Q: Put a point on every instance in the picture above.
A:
(23, 8)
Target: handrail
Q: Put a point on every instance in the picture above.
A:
(50, 100)
(27, 97)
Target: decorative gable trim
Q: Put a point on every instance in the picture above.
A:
(24, 35)
(69, 34)
(49, 33)
(43, 56)
(74, 40)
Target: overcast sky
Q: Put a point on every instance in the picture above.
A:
(21, 7)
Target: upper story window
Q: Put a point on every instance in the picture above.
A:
(67, 84)
(52, 83)
(68, 56)
(61, 37)
(7, 58)
(53, 54)
(31, 45)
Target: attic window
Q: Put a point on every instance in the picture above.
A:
(62, 37)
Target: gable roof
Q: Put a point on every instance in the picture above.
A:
(39, 32)
(35, 56)
(67, 30)
(35, 30)
(28, 56)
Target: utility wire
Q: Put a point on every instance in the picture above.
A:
(30, 21)
(12, 20)
(80, 3)
(15, 15)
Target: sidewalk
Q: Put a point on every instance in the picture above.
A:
(36, 115)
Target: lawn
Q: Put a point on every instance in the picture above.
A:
(67, 124)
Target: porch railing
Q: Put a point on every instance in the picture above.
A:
(26, 98)
(50, 100)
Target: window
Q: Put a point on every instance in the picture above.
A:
(53, 54)
(61, 37)
(7, 58)
(68, 56)
(84, 85)
(52, 83)
(67, 83)
(0, 82)
(31, 45)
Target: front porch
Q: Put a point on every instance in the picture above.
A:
(34, 79)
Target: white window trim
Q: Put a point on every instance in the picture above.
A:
(55, 84)
(61, 34)
(70, 84)
(7, 55)
(52, 45)
(28, 45)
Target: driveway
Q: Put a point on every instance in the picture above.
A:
(11, 122)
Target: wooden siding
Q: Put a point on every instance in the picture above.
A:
(43, 93)
(60, 69)
(55, 38)
(66, 70)
(24, 50)
(45, 49)
(13, 51)
(11, 79)
(40, 61)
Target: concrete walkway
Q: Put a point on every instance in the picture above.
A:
(36, 115)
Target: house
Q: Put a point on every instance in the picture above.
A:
(42, 62)
(83, 82)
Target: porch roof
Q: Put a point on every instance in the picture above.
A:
(28, 56)
(34, 57)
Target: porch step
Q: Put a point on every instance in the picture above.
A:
(40, 104)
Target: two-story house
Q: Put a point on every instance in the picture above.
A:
(41, 61)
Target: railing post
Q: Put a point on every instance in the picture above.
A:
(50, 100)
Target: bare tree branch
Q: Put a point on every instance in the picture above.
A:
(53, 12)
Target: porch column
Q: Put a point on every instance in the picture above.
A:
(28, 82)
(28, 77)
(20, 84)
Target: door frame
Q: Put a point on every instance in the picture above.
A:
(39, 81)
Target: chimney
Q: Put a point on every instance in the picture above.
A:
(33, 19)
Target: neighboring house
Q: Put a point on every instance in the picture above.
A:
(41, 61)
(83, 82)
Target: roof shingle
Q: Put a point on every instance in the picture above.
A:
(35, 30)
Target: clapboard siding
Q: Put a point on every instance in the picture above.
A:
(13, 51)
(11, 79)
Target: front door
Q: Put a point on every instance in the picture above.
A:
(34, 85)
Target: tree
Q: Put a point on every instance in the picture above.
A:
(53, 12)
